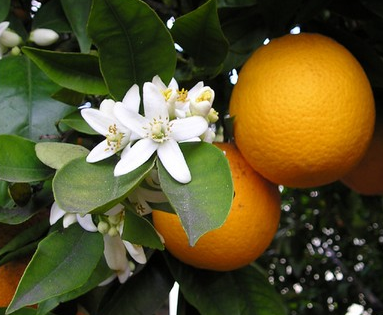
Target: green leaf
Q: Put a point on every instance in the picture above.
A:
(244, 291)
(75, 71)
(56, 154)
(235, 3)
(69, 97)
(77, 13)
(25, 103)
(20, 193)
(23, 311)
(199, 34)
(74, 120)
(101, 273)
(18, 161)
(144, 293)
(83, 187)
(55, 272)
(134, 44)
(4, 9)
(51, 16)
(138, 230)
(204, 203)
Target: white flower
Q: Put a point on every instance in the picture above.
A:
(105, 122)
(158, 133)
(43, 36)
(85, 221)
(8, 39)
(140, 197)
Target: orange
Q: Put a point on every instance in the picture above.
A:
(303, 110)
(367, 177)
(247, 232)
(11, 272)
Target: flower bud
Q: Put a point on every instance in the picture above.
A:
(15, 51)
(43, 36)
(212, 116)
(10, 39)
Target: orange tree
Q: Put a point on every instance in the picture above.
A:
(109, 108)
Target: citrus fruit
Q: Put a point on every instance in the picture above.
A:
(367, 177)
(11, 272)
(303, 110)
(247, 232)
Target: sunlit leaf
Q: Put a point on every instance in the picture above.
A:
(134, 44)
(75, 71)
(204, 203)
(18, 161)
(85, 187)
(55, 272)
(25, 103)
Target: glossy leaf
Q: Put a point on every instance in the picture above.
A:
(138, 230)
(134, 44)
(25, 103)
(83, 187)
(199, 34)
(144, 293)
(18, 161)
(77, 13)
(69, 97)
(75, 71)
(4, 9)
(74, 120)
(56, 154)
(51, 16)
(245, 291)
(23, 311)
(204, 203)
(55, 272)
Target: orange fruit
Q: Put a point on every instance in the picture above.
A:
(303, 110)
(11, 272)
(247, 232)
(367, 177)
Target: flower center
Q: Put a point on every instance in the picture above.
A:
(205, 96)
(159, 130)
(167, 94)
(114, 138)
(182, 95)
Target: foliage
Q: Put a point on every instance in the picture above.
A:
(329, 240)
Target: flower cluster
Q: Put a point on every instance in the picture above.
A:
(171, 115)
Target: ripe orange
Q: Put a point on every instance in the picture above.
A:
(303, 110)
(11, 272)
(247, 232)
(367, 177)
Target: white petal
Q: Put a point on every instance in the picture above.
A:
(136, 252)
(115, 210)
(56, 213)
(86, 223)
(98, 120)
(107, 106)
(115, 253)
(3, 26)
(173, 84)
(138, 154)
(130, 119)
(123, 275)
(186, 128)
(108, 280)
(132, 98)
(69, 219)
(154, 102)
(99, 152)
(195, 89)
(159, 83)
(152, 195)
(174, 162)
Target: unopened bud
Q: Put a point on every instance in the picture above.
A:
(16, 51)
(43, 36)
(103, 227)
(10, 39)
(212, 116)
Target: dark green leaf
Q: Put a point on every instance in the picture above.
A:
(20, 193)
(75, 121)
(5, 200)
(18, 161)
(144, 293)
(199, 34)
(244, 291)
(23, 311)
(51, 16)
(235, 3)
(25, 104)
(134, 44)
(77, 13)
(204, 203)
(84, 187)
(55, 272)
(56, 154)
(138, 230)
(75, 71)
(4, 9)
(69, 97)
